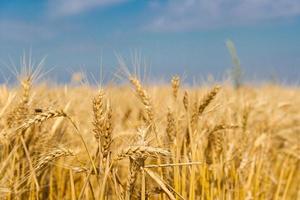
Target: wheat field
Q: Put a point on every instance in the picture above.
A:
(139, 141)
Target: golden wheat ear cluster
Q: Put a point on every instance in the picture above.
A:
(153, 142)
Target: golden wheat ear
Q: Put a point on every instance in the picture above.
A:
(40, 118)
(103, 126)
(28, 73)
(144, 97)
(209, 97)
(175, 81)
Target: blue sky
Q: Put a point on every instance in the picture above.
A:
(185, 37)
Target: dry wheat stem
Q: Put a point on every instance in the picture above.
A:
(134, 168)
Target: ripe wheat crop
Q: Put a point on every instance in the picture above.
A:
(138, 141)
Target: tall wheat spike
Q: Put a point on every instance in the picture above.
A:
(145, 98)
(20, 112)
(171, 126)
(209, 97)
(186, 101)
(215, 142)
(102, 124)
(175, 86)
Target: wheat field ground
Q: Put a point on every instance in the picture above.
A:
(138, 141)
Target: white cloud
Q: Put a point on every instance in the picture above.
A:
(73, 7)
(177, 15)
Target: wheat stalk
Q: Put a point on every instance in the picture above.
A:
(52, 156)
(208, 99)
(99, 114)
(142, 151)
(145, 98)
(215, 142)
(171, 126)
(186, 100)
(175, 85)
(102, 124)
(20, 112)
(40, 118)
